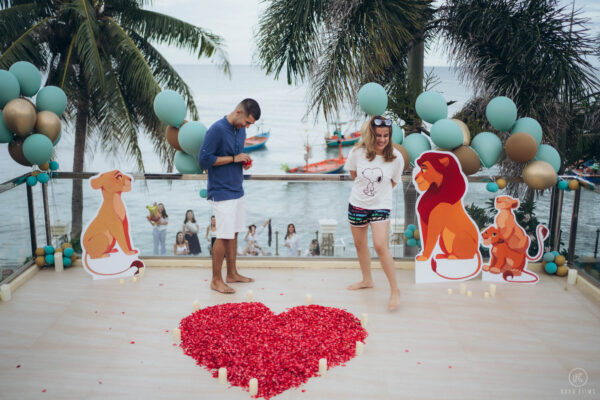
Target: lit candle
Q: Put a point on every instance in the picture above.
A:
(486, 295)
(134, 279)
(364, 318)
(196, 305)
(249, 295)
(142, 271)
(469, 293)
(463, 288)
(222, 375)
(253, 387)
(449, 291)
(322, 366)
(58, 262)
(492, 290)
(5, 292)
(176, 335)
(121, 281)
(359, 348)
(308, 299)
(572, 277)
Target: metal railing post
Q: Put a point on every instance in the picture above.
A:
(276, 243)
(596, 245)
(574, 219)
(46, 213)
(558, 205)
(32, 232)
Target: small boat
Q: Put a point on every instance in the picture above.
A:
(589, 170)
(346, 139)
(256, 142)
(331, 166)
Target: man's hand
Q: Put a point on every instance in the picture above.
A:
(242, 157)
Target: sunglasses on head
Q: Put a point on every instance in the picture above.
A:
(381, 121)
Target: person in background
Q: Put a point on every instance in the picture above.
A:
(211, 233)
(159, 233)
(314, 249)
(291, 241)
(181, 247)
(252, 248)
(190, 231)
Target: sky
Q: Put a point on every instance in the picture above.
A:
(237, 20)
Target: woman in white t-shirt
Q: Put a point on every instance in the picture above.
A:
(376, 167)
(291, 241)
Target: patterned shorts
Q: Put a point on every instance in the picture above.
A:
(360, 216)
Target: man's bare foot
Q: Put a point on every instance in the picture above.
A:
(221, 287)
(394, 300)
(238, 278)
(365, 284)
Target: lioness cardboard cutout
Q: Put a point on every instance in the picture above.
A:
(108, 251)
(450, 238)
(509, 243)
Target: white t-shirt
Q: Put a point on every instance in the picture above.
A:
(372, 187)
(294, 242)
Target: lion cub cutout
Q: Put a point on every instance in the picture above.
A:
(508, 244)
(450, 238)
(108, 251)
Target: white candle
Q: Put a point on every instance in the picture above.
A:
(58, 262)
(308, 299)
(176, 335)
(486, 294)
(5, 292)
(249, 295)
(253, 387)
(121, 281)
(134, 279)
(196, 305)
(360, 346)
(364, 318)
(463, 288)
(572, 277)
(222, 375)
(142, 271)
(492, 290)
(322, 366)
(449, 291)
(469, 293)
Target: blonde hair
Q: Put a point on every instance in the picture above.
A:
(367, 141)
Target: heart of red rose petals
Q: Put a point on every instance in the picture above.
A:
(280, 350)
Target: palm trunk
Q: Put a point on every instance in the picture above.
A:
(81, 123)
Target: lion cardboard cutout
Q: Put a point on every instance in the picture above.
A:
(450, 238)
(508, 243)
(108, 251)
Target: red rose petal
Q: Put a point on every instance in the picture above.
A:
(406, 351)
(19, 366)
(418, 362)
(43, 390)
(166, 331)
(449, 366)
(161, 284)
(122, 312)
(132, 342)
(99, 382)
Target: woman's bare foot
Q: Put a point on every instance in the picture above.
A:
(364, 284)
(394, 300)
(221, 287)
(238, 278)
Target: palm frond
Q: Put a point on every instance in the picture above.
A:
(26, 48)
(86, 45)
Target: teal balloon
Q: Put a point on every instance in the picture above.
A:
(31, 180)
(563, 185)
(50, 259)
(419, 243)
(397, 134)
(51, 98)
(492, 187)
(488, 147)
(555, 253)
(68, 252)
(186, 164)
(6, 136)
(9, 87)
(431, 106)
(372, 98)
(416, 144)
(37, 148)
(53, 165)
(548, 256)
(501, 112)
(170, 108)
(29, 77)
(551, 268)
(412, 227)
(446, 134)
(550, 155)
(66, 262)
(528, 125)
(49, 249)
(203, 193)
(43, 178)
(411, 242)
(190, 137)
(409, 233)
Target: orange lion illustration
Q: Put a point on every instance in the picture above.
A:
(110, 225)
(442, 216)
(509, 242)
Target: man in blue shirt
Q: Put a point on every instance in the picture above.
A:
(223, 157)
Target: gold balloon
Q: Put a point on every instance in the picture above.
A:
(40, 261)
(560, 260)
(48, 124)
(573, 184)
(405, 155)
(416, 235)
(501, 182)
(19, 117)
(562, 270)
(15, 149)
(465, 131)
(45, 166)
(468, 158)
(539, 175)
(521, 147)
(40, 251)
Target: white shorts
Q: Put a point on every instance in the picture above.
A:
(230, 217)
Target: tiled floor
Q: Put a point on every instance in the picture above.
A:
(70, 336)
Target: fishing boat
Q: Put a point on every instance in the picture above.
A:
(256, 142)
(330, 166)
(346, 139)
(589, 170)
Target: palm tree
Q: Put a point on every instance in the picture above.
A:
(100, 53)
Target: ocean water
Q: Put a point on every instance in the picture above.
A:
(304, 204)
